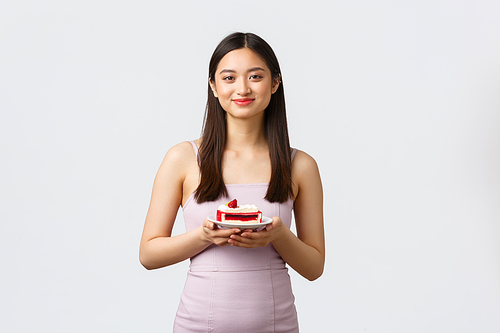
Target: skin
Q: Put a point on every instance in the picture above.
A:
(241, 74)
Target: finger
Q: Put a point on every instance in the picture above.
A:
(243, 241)
(237, 239)
(242, 244)
(209, 225)
(225, 233)
(275, 223)
(252, 234)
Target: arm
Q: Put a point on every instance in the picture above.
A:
(157, 247)
(305, 252)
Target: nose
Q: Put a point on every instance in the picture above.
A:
(243, 88)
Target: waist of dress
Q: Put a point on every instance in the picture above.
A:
(236, 259)
(236, 268)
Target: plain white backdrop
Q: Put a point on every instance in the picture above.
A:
(398, 102)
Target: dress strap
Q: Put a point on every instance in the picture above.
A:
(293, 153)
(195, 147)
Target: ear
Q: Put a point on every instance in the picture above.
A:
(276, 83)
(214, 90)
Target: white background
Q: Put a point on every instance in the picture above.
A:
(398, 101)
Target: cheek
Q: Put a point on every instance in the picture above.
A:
(266, 93)
(266, 89)
(223, 91)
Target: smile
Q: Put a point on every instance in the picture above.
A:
(243, 101)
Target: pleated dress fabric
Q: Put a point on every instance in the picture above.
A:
(233, 289)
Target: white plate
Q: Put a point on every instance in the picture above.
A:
(265, 220)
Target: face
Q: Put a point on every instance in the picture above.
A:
(243, 84)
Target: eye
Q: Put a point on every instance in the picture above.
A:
(255, 77)
(228, 78)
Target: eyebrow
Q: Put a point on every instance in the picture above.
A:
(253, 69)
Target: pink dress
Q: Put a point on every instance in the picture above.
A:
(232, 289)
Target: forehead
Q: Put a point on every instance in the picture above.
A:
(241, 60)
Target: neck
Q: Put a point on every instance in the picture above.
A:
(245, 133)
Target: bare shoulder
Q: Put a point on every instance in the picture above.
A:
(303, 164)
(178, 160)
(305, 174)
(180, 153)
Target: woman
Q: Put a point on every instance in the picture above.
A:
(238, 281)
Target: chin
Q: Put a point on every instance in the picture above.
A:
(245, 115)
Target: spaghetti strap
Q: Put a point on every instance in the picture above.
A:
(195, 147)
(293, 153)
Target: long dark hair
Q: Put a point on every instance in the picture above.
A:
(212, 146)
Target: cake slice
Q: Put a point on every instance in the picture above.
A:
(232, 213)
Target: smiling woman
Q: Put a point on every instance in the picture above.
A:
(244, 85)
(258, 54)
(244, 153)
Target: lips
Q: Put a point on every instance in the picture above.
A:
(243, 101)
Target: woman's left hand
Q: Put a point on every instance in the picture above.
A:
(250, 239)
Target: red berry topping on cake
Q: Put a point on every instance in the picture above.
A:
(232, 204)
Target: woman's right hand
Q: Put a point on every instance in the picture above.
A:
(213, 234)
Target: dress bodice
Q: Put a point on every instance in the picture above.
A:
(230, 258)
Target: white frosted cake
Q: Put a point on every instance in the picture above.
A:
(232, 213)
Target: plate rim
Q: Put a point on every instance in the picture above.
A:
(213, 219)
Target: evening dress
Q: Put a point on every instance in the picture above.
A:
(234, 289)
